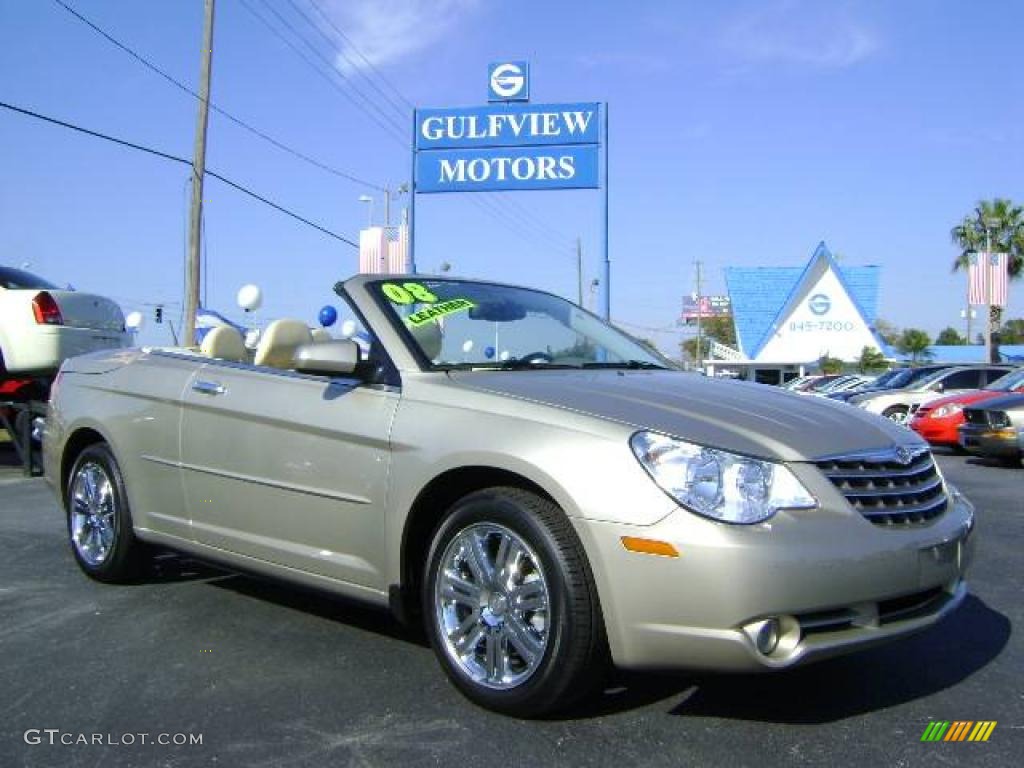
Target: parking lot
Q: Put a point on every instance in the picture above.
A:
(269, 675)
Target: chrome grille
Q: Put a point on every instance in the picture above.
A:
(896, 488)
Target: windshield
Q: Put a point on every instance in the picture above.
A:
(1011, 381)
(16, 280)
(462, 324)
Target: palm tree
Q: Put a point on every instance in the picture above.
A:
(1005, 222)
(1005, 228)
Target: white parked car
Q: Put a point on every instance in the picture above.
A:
(41, 325)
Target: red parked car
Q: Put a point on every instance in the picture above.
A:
(937, 420)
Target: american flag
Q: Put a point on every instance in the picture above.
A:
(998, 278)
(977, 282)
(985, 272)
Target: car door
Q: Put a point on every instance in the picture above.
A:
(289, 468)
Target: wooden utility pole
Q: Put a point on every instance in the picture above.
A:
(192, 276)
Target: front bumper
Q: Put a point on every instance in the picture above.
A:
(834, 581)
(935, 431)
(984, 440)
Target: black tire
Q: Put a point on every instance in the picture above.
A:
(124, 557)
(897, 413)
(23, 419)
(573, 660)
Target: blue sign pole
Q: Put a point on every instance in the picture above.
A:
(606, 300)
(412, 198)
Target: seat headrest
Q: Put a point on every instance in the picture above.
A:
(279, 341)
(224, 343)
(321, 335)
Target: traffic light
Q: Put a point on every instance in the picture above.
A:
(158, 314)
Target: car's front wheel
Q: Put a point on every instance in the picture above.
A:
(99, 520)
(510, 604)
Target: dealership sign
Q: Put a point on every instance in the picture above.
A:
(508, 146)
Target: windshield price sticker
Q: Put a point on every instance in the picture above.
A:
(439, 310)
(408, 293)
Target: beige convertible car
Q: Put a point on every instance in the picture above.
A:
(537, 489)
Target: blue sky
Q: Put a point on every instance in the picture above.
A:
(742, 133)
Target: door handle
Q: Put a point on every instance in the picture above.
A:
(208, 387)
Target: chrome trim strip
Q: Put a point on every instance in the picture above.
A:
(905, 490)
(905, 510)
(304, 489)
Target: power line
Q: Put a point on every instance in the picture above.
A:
(224, 113)
(344, 53)
(384, 121)
(175, 158)
(352, 45)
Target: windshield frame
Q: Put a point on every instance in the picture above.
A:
(376, 295)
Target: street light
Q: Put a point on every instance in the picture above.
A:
(368, 199)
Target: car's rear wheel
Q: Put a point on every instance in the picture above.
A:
(510, 604)
(896, 413)
(99, 520)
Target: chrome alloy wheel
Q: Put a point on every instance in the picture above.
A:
(93, 513)
(492, 605)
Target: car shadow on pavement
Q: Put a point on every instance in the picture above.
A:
(831, 690)
(338, 608)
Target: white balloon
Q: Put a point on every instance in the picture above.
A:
(134, 321)
(504, 354)
(250, 297)
(348, 329)
(467, 345)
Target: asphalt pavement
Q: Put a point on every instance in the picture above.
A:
(267, 675)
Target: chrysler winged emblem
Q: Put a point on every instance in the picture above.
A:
(904, 455)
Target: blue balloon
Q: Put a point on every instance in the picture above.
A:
(328, 316)
(489, 352)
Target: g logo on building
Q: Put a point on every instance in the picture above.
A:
(819, 304)
(508, 81)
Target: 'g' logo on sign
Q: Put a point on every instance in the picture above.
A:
(819, 304)
(508, 82)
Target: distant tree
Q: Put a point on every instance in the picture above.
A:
(870, 360)
(830, 365)
(888, 331)
(914, 342)
(720, 329)
(1012, 331)
(950, 337)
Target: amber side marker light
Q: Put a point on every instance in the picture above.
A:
(649, 546)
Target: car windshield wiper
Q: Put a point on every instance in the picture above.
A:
(633, 365)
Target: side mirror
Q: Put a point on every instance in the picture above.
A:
(328, 358)
(938, 387)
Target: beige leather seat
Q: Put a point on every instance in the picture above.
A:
(279, 341)
(321, 335)
(224, 343)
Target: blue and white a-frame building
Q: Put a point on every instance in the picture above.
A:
(787, 318)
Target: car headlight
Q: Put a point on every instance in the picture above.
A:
(717, 484)
(946, 410)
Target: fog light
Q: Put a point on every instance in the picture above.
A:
(768, 637)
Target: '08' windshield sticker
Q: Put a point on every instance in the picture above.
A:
(439, 310)
(408, 293)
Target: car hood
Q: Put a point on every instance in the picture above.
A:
(1005, 402)
(752, 419)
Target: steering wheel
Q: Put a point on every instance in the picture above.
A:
(537, 357)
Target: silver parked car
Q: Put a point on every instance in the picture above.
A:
(897, 404)
(995, 428)
(535, 487)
